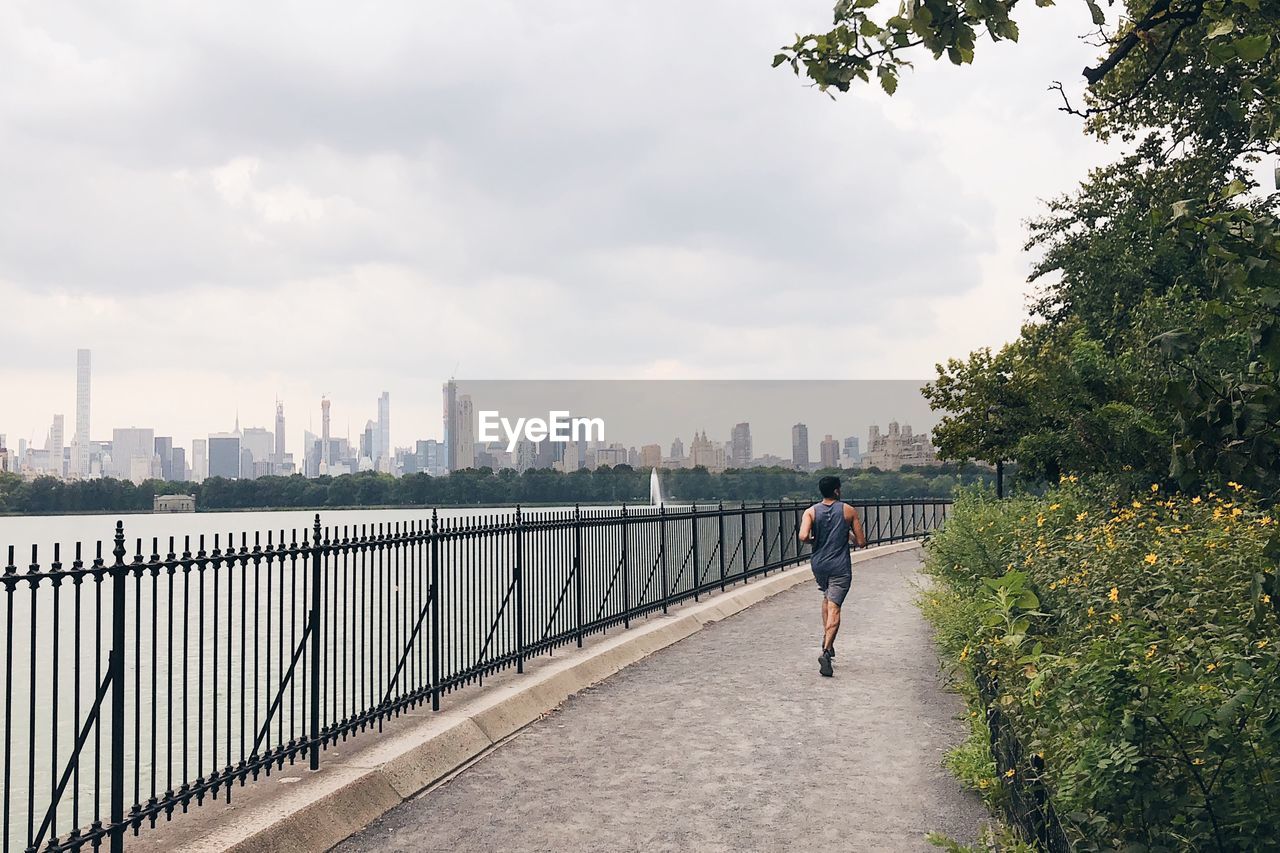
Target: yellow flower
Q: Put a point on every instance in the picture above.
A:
(1266, 599)
(1237, 511)
(1236, 486)
(1115, 617)
(1210, 667)
(1052, 507)
(1082, 516)
(1137, 504)
(1151, 652)
(1155, 487)
(1008, 774)
(1196, 499)
(1262, 644)
(1114, 595)
(1150, 559)
(1197, 761)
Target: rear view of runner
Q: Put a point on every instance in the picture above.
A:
(831, 526)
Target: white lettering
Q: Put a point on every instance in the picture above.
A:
(513, 433)
(488, 426)
(582, 427)
(559, 421)
(558, 427)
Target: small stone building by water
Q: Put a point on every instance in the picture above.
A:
(173, 503)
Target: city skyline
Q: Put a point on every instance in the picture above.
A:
(249, 451)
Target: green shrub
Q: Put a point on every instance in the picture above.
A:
(1134, 649)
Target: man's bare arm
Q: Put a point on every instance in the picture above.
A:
(856, 533)
(806, 525)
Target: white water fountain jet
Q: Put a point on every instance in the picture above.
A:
(655, 488)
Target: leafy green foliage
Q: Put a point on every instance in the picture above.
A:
(1152, 351)
(1145, 675)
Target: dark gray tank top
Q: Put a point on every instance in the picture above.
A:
(830, 539)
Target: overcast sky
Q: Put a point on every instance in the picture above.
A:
(229, 202)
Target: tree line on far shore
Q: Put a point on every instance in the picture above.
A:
(479, 487)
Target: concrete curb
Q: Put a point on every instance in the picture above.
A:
(349, 792)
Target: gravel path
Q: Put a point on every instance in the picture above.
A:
(727, 741)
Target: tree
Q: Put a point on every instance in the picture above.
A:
(1151, 352)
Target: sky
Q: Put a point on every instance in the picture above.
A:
(236, 202)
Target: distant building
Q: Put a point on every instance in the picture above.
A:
(173, 503)
(800, 447)
(80, 464)
(128, 446)
(769, 460)
(613, 456)
(466, 435)
(324, 434)
(740, 446)
(280, 454)
(224, 455)
(450, 418)
(199, 460)
(898, 447)
(651, 456)
(677, 451)
(57, 440)
(829, 452)
(850, 454)
(573, 457)
(706, 453)
(164, 450)
(431, 457)
(367, 441)
(382, 435)
(260, 444)
(179, 465)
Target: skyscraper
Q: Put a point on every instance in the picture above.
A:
(382, 448)
(324, 434)
(740, 446)
(800, 447)
(851, 455)
(450, 418)
(164, 449)
(279, 457)
(80, 441)
(57, 440)
(829, 452)
(465, 423)
(224, 455)
(199, 460)
(260, 444)
(179, 467)
(368, 441)
(129, 448)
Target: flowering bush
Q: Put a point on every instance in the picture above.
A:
(1133, 646)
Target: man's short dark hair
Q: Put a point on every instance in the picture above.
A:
(829, 486)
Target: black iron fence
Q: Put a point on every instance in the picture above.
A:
(141, 681)
(1024, 800)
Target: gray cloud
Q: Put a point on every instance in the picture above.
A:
(329, 197)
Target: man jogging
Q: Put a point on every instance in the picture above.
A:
(831, 526)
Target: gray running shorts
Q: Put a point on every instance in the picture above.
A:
(834, 587)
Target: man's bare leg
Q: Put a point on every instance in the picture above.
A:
(831, 625)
